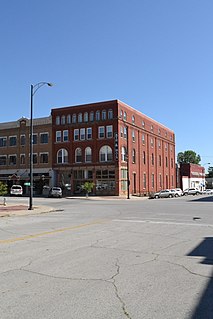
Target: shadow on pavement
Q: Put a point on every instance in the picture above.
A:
(202, 199)
(205, 307)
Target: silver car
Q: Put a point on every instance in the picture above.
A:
(55, 192)
(166, 193)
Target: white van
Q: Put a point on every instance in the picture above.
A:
(16, 190)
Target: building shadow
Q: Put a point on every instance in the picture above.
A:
(204, 309)
(202, 199)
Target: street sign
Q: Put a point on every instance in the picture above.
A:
(27, 184)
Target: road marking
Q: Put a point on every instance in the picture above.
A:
(61, 230)
(161, 222)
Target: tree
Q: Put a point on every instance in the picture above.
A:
(188, 157)
(87, 187)
(210, 171)
(3, 189)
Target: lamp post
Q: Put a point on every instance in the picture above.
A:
(33, 90)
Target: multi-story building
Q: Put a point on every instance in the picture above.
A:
(15, 153)
(114, 146)
(191, 175)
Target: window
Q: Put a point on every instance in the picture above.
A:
(12, 140)
(125, 116)
(12, 159)
(160, 180)
(152, 159)
(3, 160)
(105, 154)
(152, 142)
(133, 119)
(62, 156)
(152, 128)
(68, 119)
(101, 132)
(122, 132)
(171, 162)
(133, 156)
(143, 124)
(159, 160)
(144, 180)
(109, 132)
(22, 159)
(89, 133)
(44, 158)
(159, 144)
(65, 135)
(88, 154)
(74, 118)
(35, 158)
(97, 115)
(57, 120)
(35, 139)
(3, 141)
(153, 180)
(80, 118)
(125, 132)
(123, 154)
(82, 134)
(76, 134)
(110, 114)
(91, 116)
(103, 115)
(86, 117)
(63, 120)
(78, 155)
(44, 138)
(159, 132)
(133, 135)
(121, 114)
(143, 139)
(166, 161)
(22, 139)
(144, 157)
(58, 136)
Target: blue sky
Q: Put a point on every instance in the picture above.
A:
(155, 55)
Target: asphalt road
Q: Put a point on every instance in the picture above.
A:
(109, 259)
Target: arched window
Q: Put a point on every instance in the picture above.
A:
(110, 114)
(62, 156)
(103, 115)
(125, 116)
(78, 155)
(88, 154)
(57, 120)
(123, 154)
(63, 119)
(85, 117)
(91, 116)
(80, 118)
(133, 119)
(105, 154)
(152, 159)
(68, 119)
(74, 118)
(97, 115)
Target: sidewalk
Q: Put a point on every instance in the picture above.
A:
(20, 210)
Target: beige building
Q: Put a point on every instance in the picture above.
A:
(15, 153)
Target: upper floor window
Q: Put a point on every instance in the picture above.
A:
(133, 135)
(152, 159)
(101, 132)
(76, 134)
(78, 155)
(88, 154)
(133, 156)
(35, 158)
(97, 115)
(159, 144)
(110, 114)
(12, 140)
(152, 128)
(125, 116)
(89, 133)
(103, 115)
(91, 116)
(82, 134)
(159, 160)
(105, 154)
(121, 113)
(57, 120)
(144, 157)
(62, 156)
(80, 118)
(143, 139)
(44, 158)
(74, 118)
(3, 141)
(22, 139)
(122, 131)
(86, 117)
(12, 159)
(3, 160)
(143, 124)
(22, 159)
(63, 120)
(133, 119)
(125, 132)
(123, 154)
(152, 142)
(159, 132)
(58, 136)
(44, 138)
(65, 135)
(68, 119)
(109, 132)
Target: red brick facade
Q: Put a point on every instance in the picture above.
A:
(108, 141)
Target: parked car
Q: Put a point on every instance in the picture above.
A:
(165, 193)
(208, 192)
(177, 192)
(55, 192)
(16, 190)
(192, 191)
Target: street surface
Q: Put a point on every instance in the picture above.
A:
(108, 259)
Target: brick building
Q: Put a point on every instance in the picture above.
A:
(191, 175)
(109, 143)
(15, 152)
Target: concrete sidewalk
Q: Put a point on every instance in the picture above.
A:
(20, 210)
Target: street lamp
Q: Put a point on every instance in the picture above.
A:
(33, 90)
